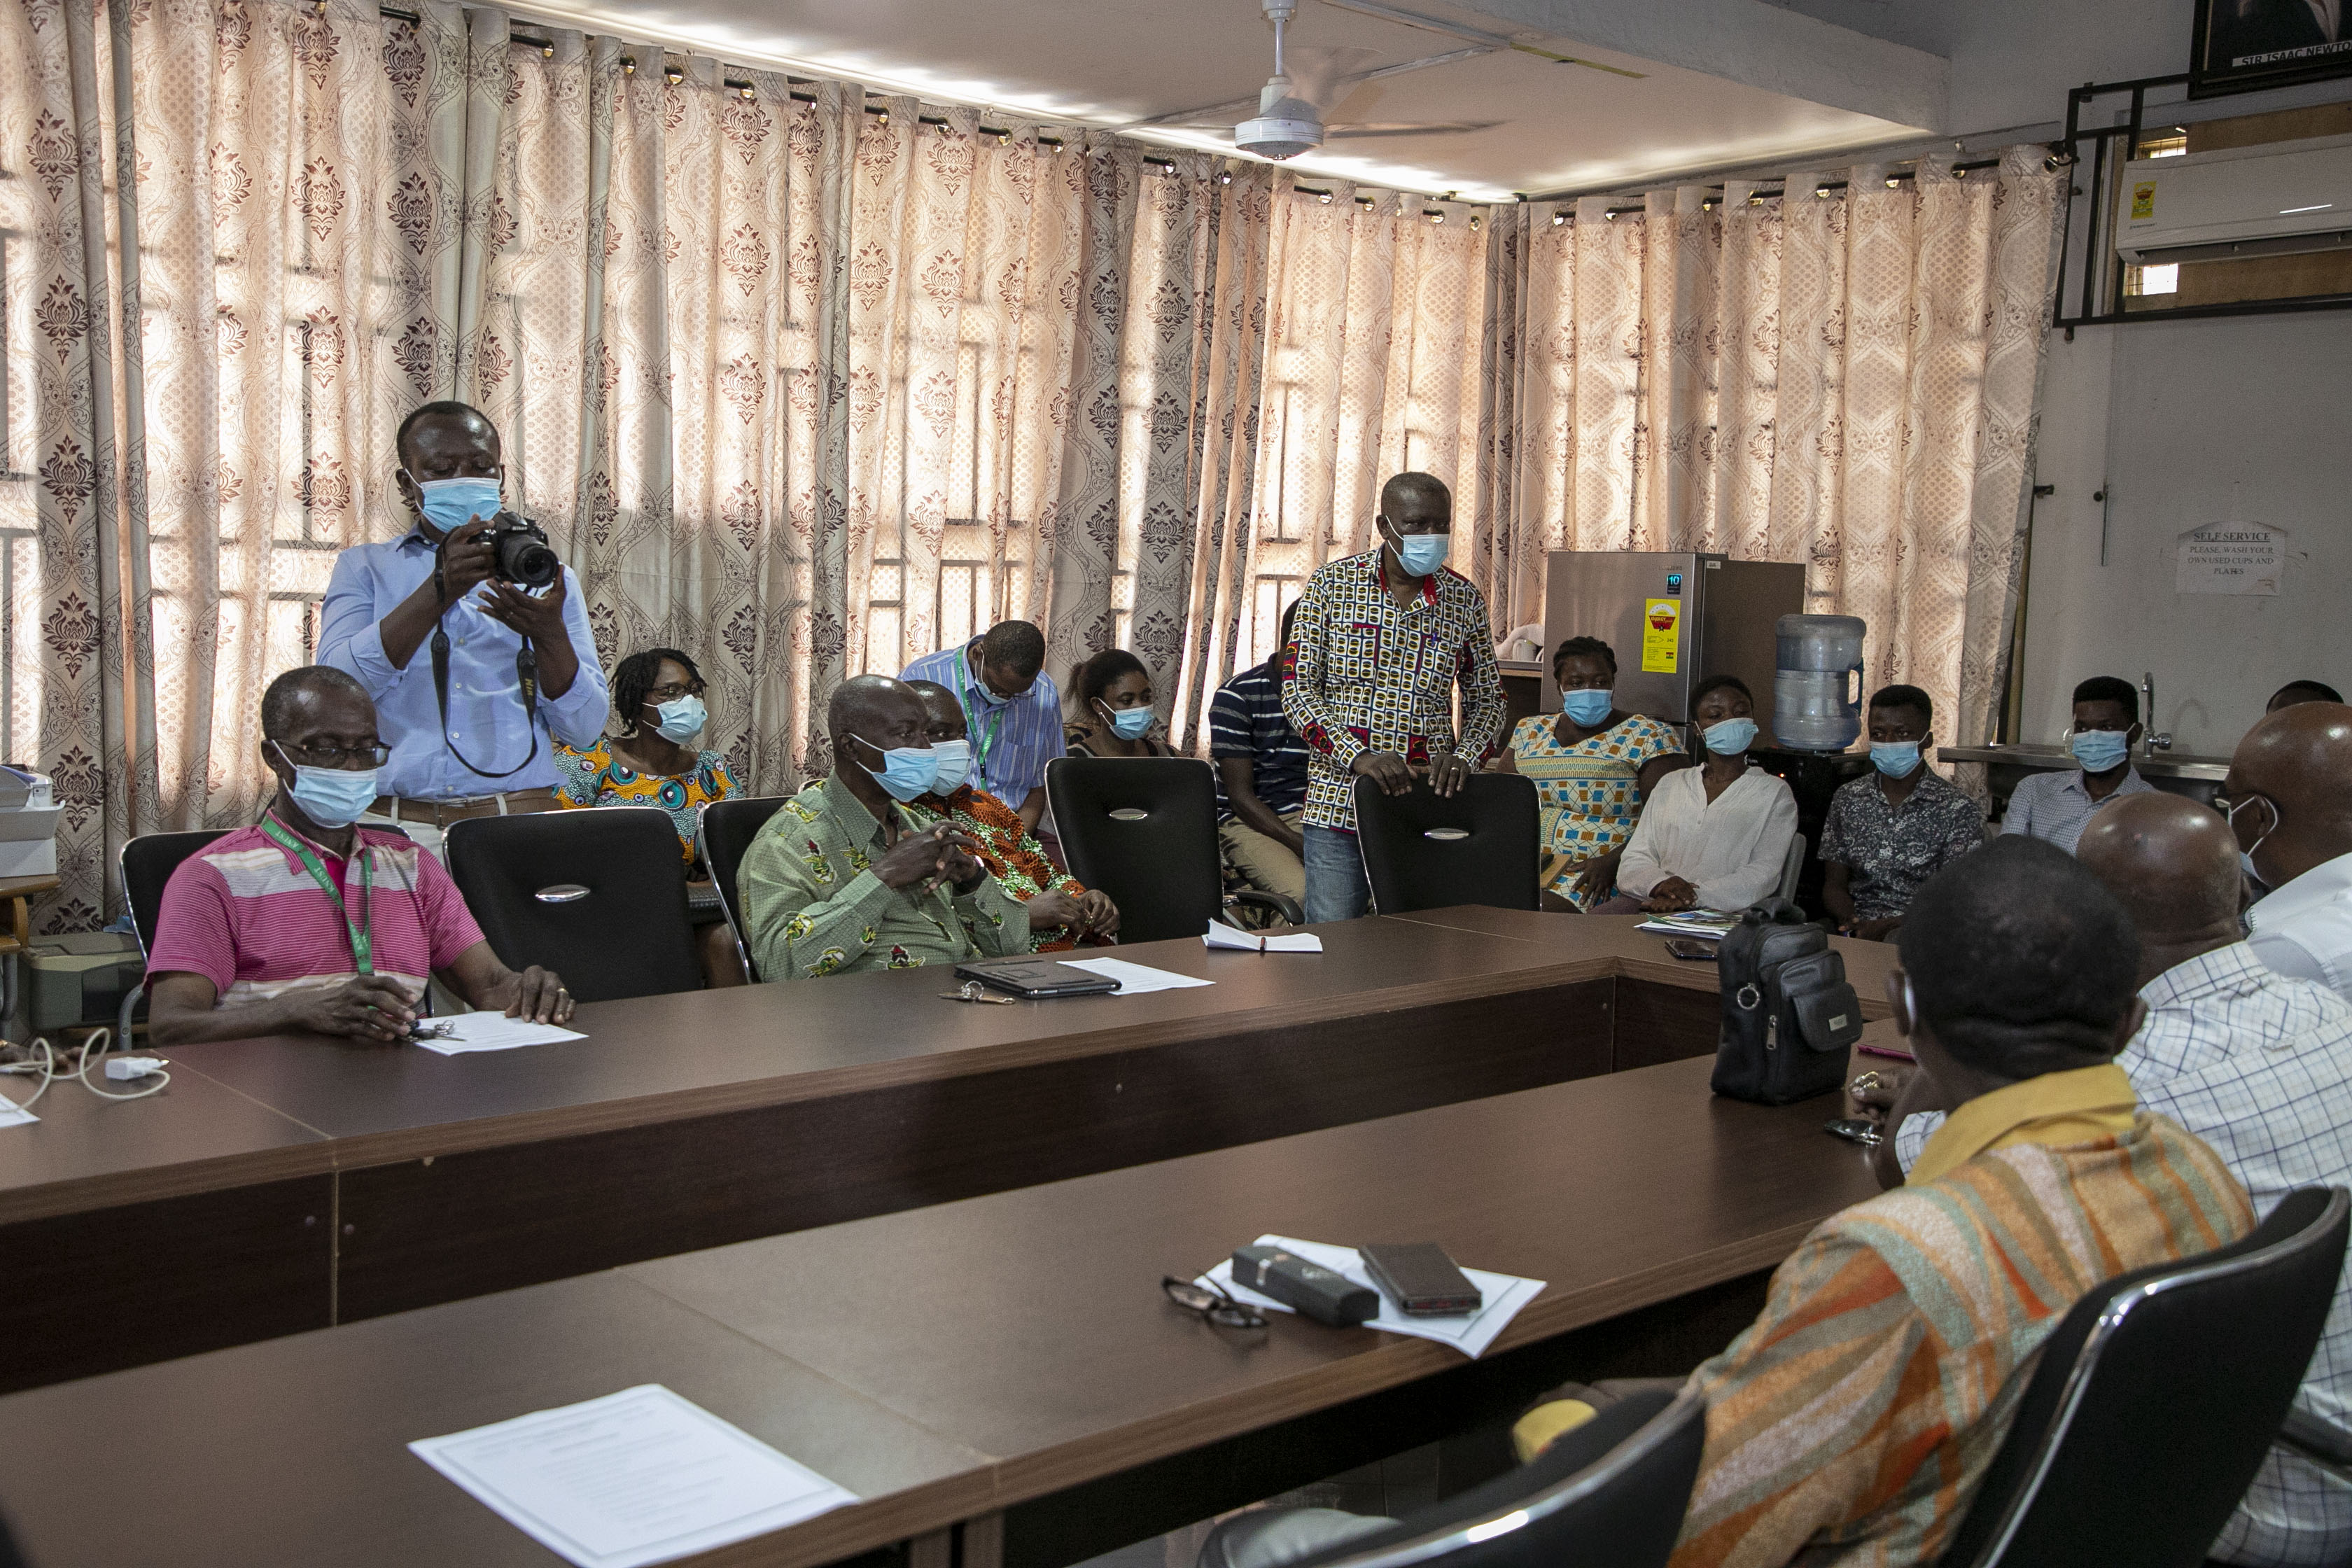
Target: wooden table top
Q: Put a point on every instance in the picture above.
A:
(943, 1362)
(248, 1111)
(30, 887)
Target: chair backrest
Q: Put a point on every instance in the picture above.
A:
(148, 862)
(1425, 851)
(597, 896)
(1144, 831)
(1792, 866)
(1611, 1494)
(2156, 1400)
(723, 832)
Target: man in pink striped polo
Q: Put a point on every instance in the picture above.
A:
(307, 922)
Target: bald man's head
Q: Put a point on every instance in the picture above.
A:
(1417, 503)
(2172, 864)
(877, 710)
(2291, 784)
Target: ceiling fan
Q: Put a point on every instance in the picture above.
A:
(1297, 107)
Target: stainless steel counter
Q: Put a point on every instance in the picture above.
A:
(2181, 773)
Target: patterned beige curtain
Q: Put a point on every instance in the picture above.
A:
(1845, 379)
(1371, 364)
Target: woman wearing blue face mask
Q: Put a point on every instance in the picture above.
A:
(1110, 708)
(1714, 836)
(1593, 765)
(654, 760)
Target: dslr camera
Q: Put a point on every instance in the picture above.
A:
(520, 553)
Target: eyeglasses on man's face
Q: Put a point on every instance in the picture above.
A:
(327, 754)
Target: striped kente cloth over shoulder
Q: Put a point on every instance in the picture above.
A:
(1853, 1422)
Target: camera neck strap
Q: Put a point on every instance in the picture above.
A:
(526, 674)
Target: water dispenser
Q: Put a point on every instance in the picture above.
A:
(1817, 687)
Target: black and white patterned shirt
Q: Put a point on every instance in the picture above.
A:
(1891, 850)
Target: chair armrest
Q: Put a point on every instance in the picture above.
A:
(2322, 1442)
(1287, 909)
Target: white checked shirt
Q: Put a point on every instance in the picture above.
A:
(2057, 807)
(2258, 1065)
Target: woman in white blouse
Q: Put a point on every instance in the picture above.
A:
(1714, 836)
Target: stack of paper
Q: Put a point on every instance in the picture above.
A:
(1470, 1334)
(492, 1031)
(1134, 979)
(13, 1114)
(1219, 934)
(637, 1477)
(1707, 925)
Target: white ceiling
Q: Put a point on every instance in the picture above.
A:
(1722, 81)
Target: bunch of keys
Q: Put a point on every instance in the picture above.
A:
(973, 992)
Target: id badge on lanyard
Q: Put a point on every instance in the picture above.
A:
(362, 946)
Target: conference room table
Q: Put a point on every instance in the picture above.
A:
(287, 1184)
(999, 1379)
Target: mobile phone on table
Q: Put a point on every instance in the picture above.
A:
(1690, 947)
(1420, 1278)
(1855, 1130)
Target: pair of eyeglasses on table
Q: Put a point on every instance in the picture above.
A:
(1212, 1302)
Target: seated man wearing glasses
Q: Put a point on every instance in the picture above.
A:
(306, 921)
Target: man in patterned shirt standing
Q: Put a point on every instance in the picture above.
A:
(2259, 1066)
(1382, 638)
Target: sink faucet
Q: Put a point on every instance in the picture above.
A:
(2151, 742)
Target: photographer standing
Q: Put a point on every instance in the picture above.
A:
(470, 637)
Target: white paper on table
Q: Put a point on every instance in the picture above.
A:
(1471, 1333)
(494, 1031)
(1134, 979)
(1219, 934)
(642, 1476)
(14, 1115)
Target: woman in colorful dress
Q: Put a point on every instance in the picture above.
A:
(1593, 765)
(657, 699)
(1062, 912)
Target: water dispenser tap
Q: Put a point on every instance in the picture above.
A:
(2151, 742)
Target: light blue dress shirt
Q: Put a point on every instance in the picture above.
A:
(486, 719)
(1011, 742)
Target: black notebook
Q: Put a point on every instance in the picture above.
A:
(1037, 977)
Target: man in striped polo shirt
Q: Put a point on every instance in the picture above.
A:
(307, 922)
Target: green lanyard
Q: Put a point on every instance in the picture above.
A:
(362, 948)
(980, 744)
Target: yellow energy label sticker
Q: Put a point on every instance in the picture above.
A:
(1661, 645)
(2144, 199)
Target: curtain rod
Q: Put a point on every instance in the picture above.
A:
(1764, 194)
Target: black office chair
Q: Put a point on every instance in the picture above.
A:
(597, 896)
(1425, 851)
(146, 868)
(723, 832)
(1609, 1494)
(1144, 830)
(2152, 1406)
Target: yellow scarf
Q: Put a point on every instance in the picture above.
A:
(2057, 1108)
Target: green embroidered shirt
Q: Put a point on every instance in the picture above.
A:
(815, 906)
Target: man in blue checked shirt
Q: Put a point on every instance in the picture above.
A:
(1012, 710)
(486, 746)
(2257, 1063)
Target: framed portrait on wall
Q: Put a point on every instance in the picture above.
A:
(2243, 45)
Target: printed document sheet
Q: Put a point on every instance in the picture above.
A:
(1134, 979)
(637, 1477)
(1470, 1334)
(14, 1115)
(492, 1031)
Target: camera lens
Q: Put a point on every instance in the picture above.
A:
(520, 551)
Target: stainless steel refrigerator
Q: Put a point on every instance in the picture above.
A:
(1673, 619)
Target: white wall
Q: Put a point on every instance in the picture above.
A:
(2192, 422)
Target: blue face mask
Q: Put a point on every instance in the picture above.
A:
(682, 718)
(907, 771)
(1422, 553)
(450, 504)
(1586, 706)
(955, 765)
(2100, 749)
(2246, 857)
(1130, 724)
(1730, 738)
(1896, 759)
(332, 797)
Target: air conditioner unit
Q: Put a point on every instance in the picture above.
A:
(2283, 198)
